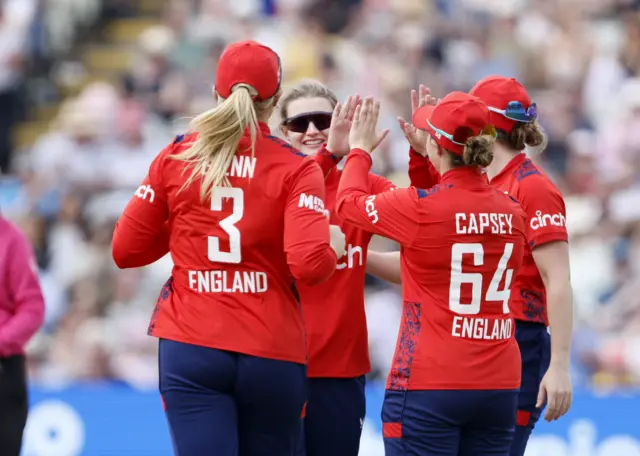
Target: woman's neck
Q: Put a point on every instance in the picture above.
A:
(264, 115)
(445, 166)
(501, 157)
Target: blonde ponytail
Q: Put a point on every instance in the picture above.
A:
(219, 133)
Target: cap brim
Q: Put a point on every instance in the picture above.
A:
(421, 116)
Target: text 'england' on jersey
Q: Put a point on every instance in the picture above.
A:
(235, 254)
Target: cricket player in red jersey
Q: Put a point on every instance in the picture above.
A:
(334, 314)
(542, 291)
(453, 387)
(242, 214)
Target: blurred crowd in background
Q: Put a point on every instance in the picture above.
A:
(117, 97)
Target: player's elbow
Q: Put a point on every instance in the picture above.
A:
(552, 261)
(315, 268)
(312, 278)
(559, 291)
(340, 206)
(347, 200)
(122, 247)
(120, 255)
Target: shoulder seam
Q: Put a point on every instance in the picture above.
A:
(423, 193)
(285, 145)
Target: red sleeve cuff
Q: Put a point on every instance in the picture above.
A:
(416, 154)
(361, 153)
(548, 239)
(326, 160)
(327, 153)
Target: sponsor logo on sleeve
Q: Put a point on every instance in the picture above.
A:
(372, 212)
(313, 203)
(145, 192)
(543, 220)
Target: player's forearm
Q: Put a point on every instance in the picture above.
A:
(560, 312)
(355, 176)
(353, 185)
(421, 171)
(384, 265)
(552, 260)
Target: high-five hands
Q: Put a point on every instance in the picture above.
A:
(338, 139)
(363, 129)
(417, 138)
(341, 122)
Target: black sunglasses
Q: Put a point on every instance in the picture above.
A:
(300, 123)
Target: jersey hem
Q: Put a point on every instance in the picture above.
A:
(533, 322)
(548, 239)
(324, 374)
(458, 386)
(217, 346)
(544, 324)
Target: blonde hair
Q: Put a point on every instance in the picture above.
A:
(308, 88)
(219, 133)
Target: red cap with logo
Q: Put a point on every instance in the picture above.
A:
(249, 62)
(456, 118)
(497, 92)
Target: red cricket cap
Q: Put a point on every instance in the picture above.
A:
(497, 92)
(249, 62)
(455, 119)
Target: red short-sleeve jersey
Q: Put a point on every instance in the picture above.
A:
(547, 222)
(546, 212)
(461, 244)
(236, 254)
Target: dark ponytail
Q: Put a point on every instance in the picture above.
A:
(522, 135)
(478, 151)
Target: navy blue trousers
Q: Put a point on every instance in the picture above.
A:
(449, 423)
(334, 417)
(229, 404)
(535, 350)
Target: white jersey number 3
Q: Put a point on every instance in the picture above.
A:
(458, 278)
(228, 224)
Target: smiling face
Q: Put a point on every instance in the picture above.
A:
(309, 141)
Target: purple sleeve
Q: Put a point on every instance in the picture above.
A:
(24, 291)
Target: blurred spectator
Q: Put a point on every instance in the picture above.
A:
(14, 27)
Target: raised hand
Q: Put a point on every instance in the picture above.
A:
(363, 129)
(341, 119)
(380, 136)
(417, 138)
